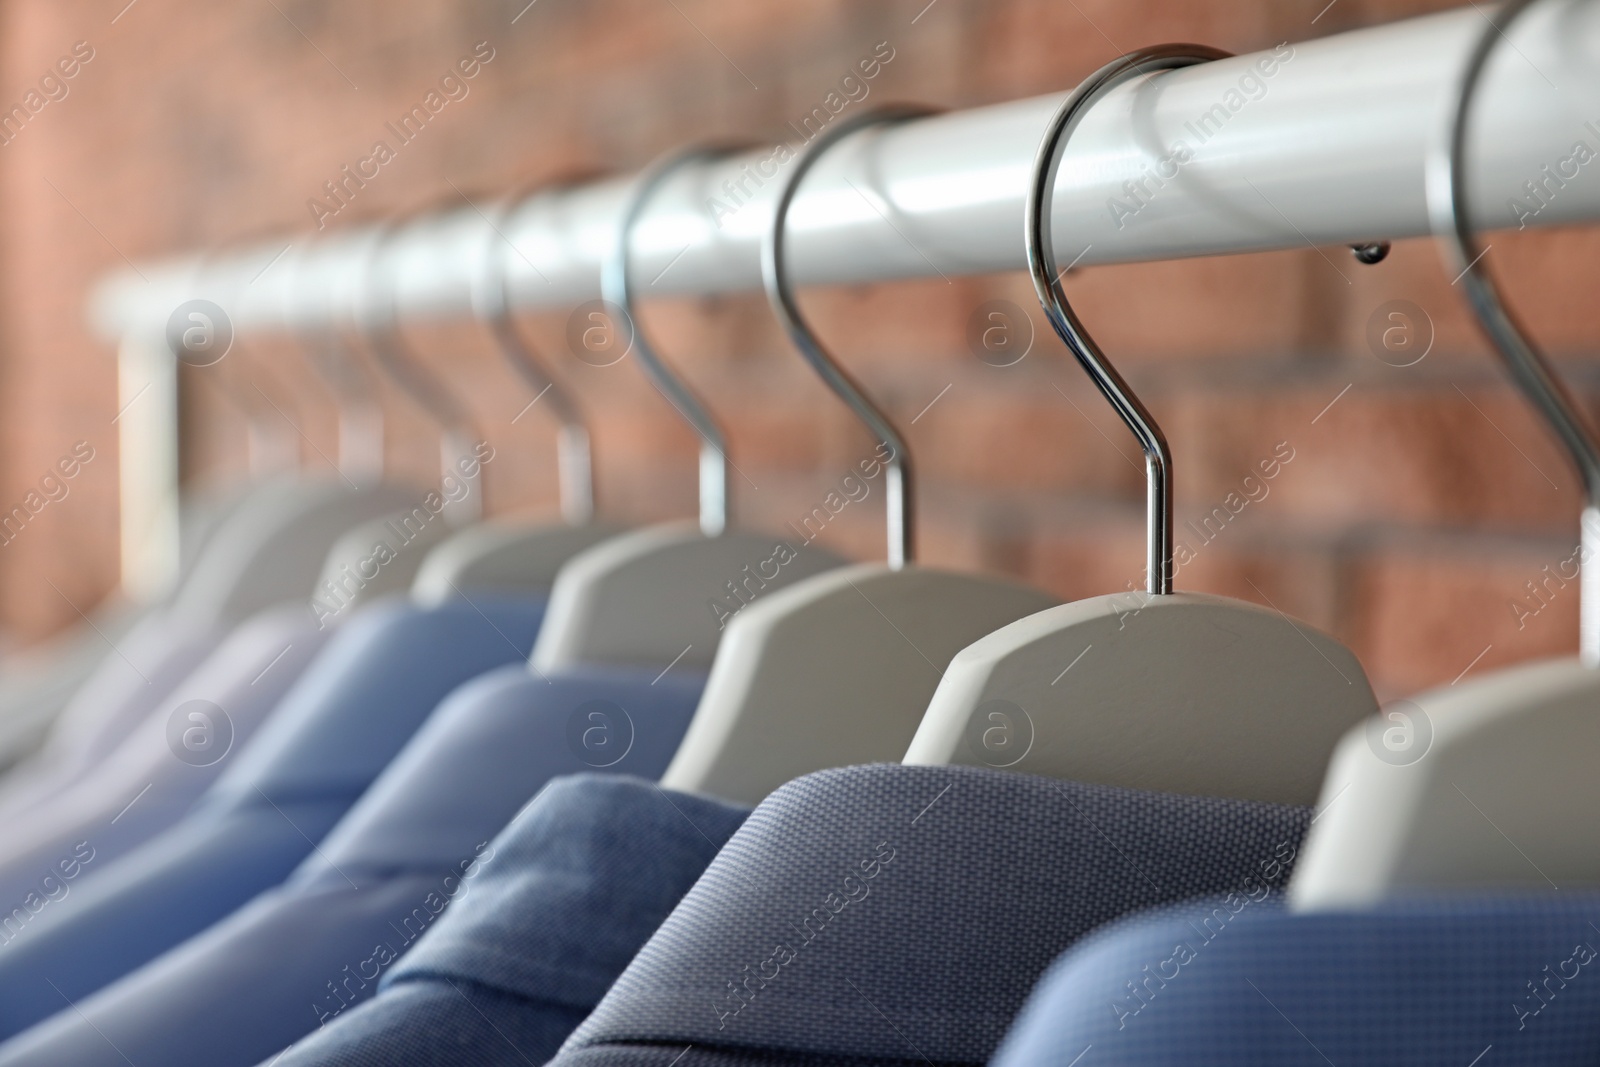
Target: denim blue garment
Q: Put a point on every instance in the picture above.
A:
(896, 914)
(379, 677)
(546, 914)
(267, 975)
(155, 776)
(563, 899)
(1436, 980)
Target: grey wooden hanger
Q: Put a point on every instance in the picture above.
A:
(1181, 692)
(649, 597)
(1491, 781)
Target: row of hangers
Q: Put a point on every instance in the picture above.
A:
(835, 663)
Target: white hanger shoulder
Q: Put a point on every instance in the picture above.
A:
(663, 594)
(375, 558)
(272, 547)
(1183, 693)
(1489, 783)
(503, 556)
(835, 670)
(205, 510)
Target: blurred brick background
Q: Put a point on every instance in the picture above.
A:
(1414, 511)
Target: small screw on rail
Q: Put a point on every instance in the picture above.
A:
(1371, 252)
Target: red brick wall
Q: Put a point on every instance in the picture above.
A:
(1411, 515)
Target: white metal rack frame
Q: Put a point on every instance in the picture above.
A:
(1315, 143)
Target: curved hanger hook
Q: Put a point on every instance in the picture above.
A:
(781, 295)
(1047, 284)
(379, 322)
(271, 443)
(360, 407)
(1530, 369)
(616, 287)
(491, 302)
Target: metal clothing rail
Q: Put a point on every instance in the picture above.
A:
(1320, 142)
(1316, 143)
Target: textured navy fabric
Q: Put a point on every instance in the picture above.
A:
(543, 923)
(447, 1023)
(267, 975)
(889, 914)
(1445, 981)
(356, 705)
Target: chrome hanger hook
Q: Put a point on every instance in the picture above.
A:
(272, 445)
(360, 407)
(616, 287)
(378, 320)
(781, 295)
(491, 302)
(1530, 369)
(1047, 284)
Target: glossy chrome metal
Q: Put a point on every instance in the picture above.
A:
(617, 290)
(379, 322)
(355, 389)
(1039, 241)
(1449, 194)
(360, 405)
(491, 303)
(272, 446)
(900, 513)
(1371, 252)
